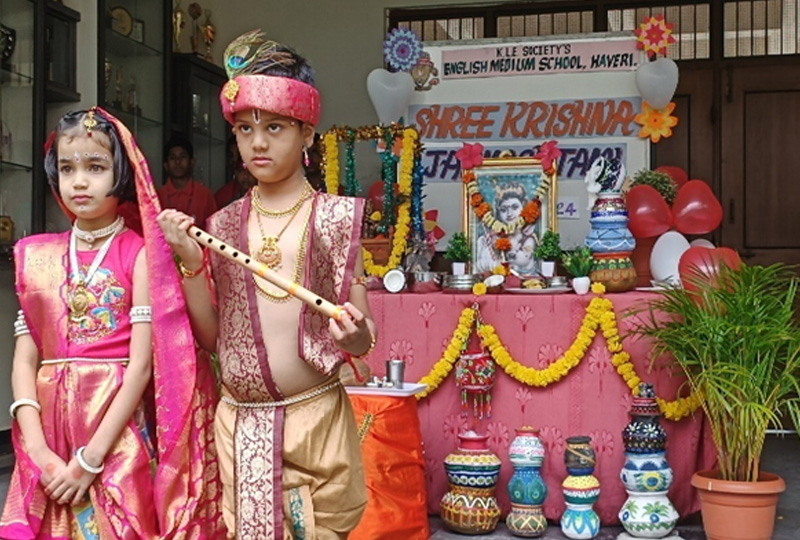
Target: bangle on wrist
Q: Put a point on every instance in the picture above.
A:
(85, 466)
(186, 273)
(372, 342)
(23, 402)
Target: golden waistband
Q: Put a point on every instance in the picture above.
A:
(90, 360)
(297, 398)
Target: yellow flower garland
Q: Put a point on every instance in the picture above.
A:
(403, 226)
(599, 314)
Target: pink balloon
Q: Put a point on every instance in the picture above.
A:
(696, 209)
(648, 212)
(676, 173)
(703, 264)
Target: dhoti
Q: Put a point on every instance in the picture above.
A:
(322, 490)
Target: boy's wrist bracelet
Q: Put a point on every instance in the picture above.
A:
(186, 273)
(373, 341)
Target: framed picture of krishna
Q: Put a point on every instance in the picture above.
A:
(509, 203)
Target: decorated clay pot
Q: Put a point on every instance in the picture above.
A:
(581, 489)
(644, 434)
(579, 521)
(614, 270)
(469, 507)
(526, 454)
(646, 472)
(526, 521)
(648, 515)
(579, 457)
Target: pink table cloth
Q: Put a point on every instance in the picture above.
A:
(592, 400)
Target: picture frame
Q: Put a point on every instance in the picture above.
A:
(509, 203)
(137, 30)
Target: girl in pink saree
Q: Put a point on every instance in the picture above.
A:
(87, 342)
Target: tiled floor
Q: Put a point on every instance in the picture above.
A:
(781, 455)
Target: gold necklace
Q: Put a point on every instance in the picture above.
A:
(299, 265)
(266, 212)
(270, 253)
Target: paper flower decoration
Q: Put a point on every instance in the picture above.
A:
(548, 153)
(432, 228)
(470, 155)
(656, 123)
(402, 49)
(654, 34)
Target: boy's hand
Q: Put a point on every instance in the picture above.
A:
(352, 334)
(174, 224)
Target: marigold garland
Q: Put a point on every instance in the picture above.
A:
(599, 314)
(502, 244)
(404, 183)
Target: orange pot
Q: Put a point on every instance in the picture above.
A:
(738, 510)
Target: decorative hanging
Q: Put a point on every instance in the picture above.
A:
(476, 374)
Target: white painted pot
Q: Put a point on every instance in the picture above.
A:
(459, 268)
(581, 285)
(548, 268)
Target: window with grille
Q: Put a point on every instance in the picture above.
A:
(446, 29)
(761, 28)
(545, 24)
(691, 27)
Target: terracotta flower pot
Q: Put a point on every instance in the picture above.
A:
(738, 510)
(380, 248)
(641, 260)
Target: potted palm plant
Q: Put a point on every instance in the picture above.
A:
(736, 338)
(549, 252)
(578, 264)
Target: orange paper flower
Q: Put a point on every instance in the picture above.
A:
(475, 199)
(656, 123)
(654, 34)
(502, 244)
(531, 212)
(482, 210)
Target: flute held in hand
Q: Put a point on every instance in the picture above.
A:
(320, 304)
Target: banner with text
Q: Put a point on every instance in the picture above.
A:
(540, 59)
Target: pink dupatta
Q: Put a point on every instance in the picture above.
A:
(187, 487)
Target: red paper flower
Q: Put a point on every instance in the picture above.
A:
(654, 34)
(470, 155)
(548, 153)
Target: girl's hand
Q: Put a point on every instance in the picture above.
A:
(48, 463)
(71, 484)
(352, 334)
(174, 224)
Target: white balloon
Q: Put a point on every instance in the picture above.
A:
(390, 93)
(666, 255)
(657, 81)
(702, 242)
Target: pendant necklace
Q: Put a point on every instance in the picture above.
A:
(79, 299)
(270, 253)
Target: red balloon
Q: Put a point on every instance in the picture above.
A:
(702, 263)
(696, 209)
(648, 212)
(676, 173)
